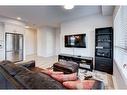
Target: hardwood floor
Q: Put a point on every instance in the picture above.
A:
(42, 62)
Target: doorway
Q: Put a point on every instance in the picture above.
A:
(14, 47)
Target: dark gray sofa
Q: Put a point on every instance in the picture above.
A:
(25, 76)
(14, 76)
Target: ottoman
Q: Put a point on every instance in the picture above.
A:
(66, 67)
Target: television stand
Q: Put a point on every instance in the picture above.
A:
(82, 61)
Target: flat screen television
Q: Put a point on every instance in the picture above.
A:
(78, 40)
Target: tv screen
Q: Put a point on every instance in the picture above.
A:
(77, 40)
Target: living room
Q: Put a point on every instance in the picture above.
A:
(42, 38)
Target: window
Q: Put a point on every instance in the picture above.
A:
(120, 39)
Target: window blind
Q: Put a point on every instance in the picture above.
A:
(120, 39)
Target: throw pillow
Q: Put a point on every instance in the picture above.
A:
(65, 77)
(85, 84)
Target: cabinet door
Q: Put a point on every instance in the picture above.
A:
(104, 64)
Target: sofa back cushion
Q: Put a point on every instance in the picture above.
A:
(12, 68)
(28, 64)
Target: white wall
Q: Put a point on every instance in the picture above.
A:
(14, 26)
(11, 26)
(50, 41)
(57, 49)
(83, 25)
(30, 41)
(46, 41)
(41, 42)
(118, 79)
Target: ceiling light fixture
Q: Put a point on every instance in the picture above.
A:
(69, 7)
(18, 18)
(27, 26)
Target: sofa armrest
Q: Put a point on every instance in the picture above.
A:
(29, 64)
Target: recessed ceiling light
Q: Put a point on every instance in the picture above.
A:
(27, 26)
(68, 7)
(18, 18)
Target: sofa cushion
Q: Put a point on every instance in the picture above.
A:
(65, 77)
(32, 80)
(85, 84)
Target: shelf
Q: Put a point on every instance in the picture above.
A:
(104, 34)
(103, 56)
(104, 41)
(103, 48)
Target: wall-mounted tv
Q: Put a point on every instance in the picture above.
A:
(77, 40)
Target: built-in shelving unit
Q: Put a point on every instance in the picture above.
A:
(104, 49)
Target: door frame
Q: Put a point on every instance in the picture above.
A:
(22, 45)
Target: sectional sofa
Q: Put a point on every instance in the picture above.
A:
(27, 76)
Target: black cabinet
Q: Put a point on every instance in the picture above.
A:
(104, 49)
(103, 64)
(82, 61)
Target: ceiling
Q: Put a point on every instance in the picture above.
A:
(51, 15)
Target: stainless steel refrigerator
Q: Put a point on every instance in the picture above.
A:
(13, 47)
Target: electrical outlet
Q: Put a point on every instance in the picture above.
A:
(125, 66)
(0, 46)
